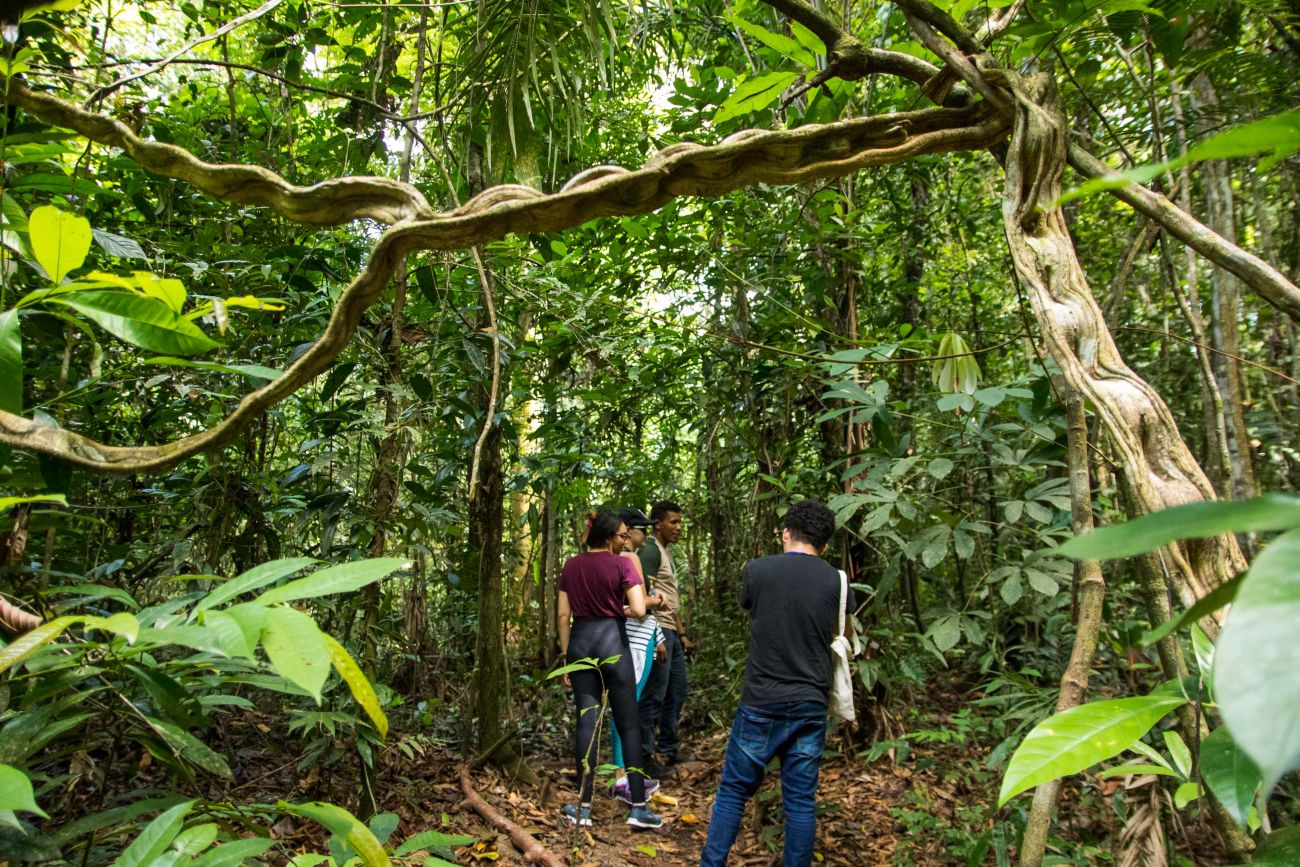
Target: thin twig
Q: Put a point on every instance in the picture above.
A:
(1199, 345)
(208, 37)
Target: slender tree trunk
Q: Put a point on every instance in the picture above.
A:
(548, 559)
(1092, 593)
(1226, 302)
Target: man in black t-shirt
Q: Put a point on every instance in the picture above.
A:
(794, 599)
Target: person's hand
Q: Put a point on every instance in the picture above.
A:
(661, 653)
(627, 610)
(568, 684)
(688, 647)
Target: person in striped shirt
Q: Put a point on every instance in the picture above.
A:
(645, 640)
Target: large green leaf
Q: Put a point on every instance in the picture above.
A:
(144, 322)
(191, 748)
(754, 95)
(234, 854)
(25, 844)
(155, 837)
(433, 840)
(11, 363)
(297, 648)
(6, 502)
(339, 821)
(1256, 678)
(1080, 737)
(1229, 773)
(258, 576)
(341, 578)
(60, 240)
(780, 43)
(16, 791)
(1278, 136)
(28, 643)
(358, 683)
(1192, 521)
(1279, 849)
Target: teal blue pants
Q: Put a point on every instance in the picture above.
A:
(615, 741)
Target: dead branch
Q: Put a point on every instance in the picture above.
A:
(15, 620)
(533, 851)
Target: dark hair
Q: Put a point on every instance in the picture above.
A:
(660, 510)
(810, 522)
(603, 528)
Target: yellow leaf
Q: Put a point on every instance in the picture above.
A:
(27, 644)
(356, 680)
(60, 240)
(690, 819)
(666, 800)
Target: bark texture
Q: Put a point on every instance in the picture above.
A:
(1092, 593)
(1157, 469)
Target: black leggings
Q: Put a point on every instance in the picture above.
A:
(601, 638)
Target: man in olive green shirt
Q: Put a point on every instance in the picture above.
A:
(662, 700)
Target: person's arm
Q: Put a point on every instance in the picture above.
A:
(636, 600)
(562, 614)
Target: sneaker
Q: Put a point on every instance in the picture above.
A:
(621, 789)
(641, 817)
(580, 816)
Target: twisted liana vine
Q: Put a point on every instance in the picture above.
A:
(685, 169)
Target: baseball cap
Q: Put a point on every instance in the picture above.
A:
(635, 519)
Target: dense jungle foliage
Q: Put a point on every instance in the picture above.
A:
(285, 643)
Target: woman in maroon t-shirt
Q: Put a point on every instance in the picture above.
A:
(594, 587)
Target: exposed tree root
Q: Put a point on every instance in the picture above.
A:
(533, 851)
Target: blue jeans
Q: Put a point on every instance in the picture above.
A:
(661, 704)
(794, 732)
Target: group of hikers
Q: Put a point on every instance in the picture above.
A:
(619, 610)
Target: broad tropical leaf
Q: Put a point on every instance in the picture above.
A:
(25, 645)
(123, 623)
(754, 95)
(144, 322)
(234, 854)
(1279, 849)
(1192, 521)
(258, 576)
(1229, 773)
(341, 578)
(433, 840)
(155, 837)
(358, 683)
(60, 240)
(191, 748)
(1256, 679)
(16, 792)
(1080, 737)
(297, 648)
(11, 363)
(339, 821)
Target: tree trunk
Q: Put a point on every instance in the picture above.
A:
(1226, 302)
(1158, 470)
(1092, 592)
